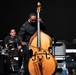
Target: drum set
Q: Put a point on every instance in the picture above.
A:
(9, 59)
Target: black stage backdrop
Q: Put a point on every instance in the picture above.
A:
(59, 16)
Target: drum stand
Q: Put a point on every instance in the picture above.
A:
(14, 63)
(13, 55)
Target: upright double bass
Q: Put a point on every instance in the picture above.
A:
(42, 62)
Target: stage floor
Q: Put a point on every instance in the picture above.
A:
(57, 73)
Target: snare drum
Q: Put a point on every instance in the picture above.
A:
(13, 52)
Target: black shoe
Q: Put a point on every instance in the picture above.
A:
(27, 73)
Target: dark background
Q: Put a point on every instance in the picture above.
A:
(59, 16)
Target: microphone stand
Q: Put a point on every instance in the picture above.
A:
(53, 46)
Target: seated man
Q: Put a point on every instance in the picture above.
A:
(12, 42)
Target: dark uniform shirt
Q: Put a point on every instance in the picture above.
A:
(12, 42)
(28, 29)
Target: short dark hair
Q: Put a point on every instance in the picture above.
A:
(12, 29)
(32, 14)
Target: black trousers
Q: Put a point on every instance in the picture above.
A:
(20, 56)
(26, 58)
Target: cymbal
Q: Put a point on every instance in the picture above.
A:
(13, 52)
(1, 40)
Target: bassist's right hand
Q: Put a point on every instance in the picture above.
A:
(24, 43)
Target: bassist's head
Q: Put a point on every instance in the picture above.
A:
(32, 17)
